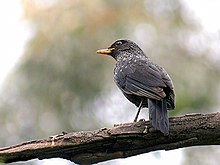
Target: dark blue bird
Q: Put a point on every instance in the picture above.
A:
(143, 82)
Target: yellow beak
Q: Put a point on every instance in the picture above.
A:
(105, 51)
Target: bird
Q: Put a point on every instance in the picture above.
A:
(142, 82)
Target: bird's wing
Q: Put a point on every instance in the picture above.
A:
(169, 89)
(143, 79)
(165, 77)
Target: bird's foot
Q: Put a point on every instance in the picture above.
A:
(135, 120)
(141, 120)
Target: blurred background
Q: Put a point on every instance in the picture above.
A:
(52, 80)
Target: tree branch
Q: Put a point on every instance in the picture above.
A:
(121, 141)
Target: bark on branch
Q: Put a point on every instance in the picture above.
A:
(121, 141)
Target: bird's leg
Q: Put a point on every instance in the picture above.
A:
(139, 109)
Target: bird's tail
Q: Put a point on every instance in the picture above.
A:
(158, 115)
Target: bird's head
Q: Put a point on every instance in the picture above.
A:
(120, 47)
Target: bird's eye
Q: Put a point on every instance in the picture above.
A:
(118, 43)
